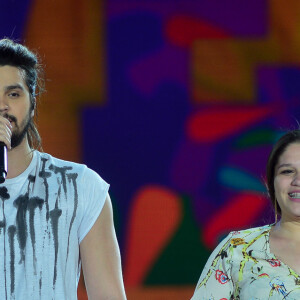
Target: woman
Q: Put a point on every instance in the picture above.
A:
(264, 262)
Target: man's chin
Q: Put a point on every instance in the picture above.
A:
(17, 135)
(17, 140)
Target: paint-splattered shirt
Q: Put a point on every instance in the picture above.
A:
(44, 215)
(242, 267)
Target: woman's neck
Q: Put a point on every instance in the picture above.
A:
(287, 228)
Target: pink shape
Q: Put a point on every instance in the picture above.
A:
(213, 124)
(183, 30)
(239, 212)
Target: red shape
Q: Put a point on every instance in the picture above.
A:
(238, 213)
(184, 30)
(154, 218)
(211, 125)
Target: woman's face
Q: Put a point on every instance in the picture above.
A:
(287, 182)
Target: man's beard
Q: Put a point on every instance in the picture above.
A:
(18, 135)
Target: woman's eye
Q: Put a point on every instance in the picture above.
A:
(286, 172)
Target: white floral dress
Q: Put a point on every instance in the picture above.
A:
(242, 267)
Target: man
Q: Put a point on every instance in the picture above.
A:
(54, 214)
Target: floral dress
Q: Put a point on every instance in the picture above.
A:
(242, 267)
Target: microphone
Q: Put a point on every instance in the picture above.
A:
(3, 162)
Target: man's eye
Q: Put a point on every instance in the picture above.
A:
(13, 94)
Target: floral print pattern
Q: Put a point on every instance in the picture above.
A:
(221, 277)
(242, 267)
(274, 262)
(237, 241)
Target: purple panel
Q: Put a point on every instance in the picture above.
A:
(280, 87)
(168, 64)
(192, 166)
(245, 160)
(240, 18)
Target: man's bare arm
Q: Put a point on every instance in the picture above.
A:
(101, 261)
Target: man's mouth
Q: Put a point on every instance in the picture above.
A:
(10, 118)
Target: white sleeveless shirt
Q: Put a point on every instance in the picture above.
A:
(44, 215)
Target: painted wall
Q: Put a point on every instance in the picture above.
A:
(176, 103)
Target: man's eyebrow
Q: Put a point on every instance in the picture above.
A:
(14, 87)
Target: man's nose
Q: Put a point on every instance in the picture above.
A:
(3, 104)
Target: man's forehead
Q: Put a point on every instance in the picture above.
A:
(12, 76)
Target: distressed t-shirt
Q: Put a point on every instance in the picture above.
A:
(243, 267)
(44, 215)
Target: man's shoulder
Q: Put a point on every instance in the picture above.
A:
(60, 166)
(50, 161)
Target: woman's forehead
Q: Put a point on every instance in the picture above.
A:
(291, 154)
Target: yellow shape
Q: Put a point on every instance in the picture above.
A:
(225, 70)
(68, 36)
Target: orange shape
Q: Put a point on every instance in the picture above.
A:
(154, 218)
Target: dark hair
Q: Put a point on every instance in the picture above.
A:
(19, 56)
(289, 138)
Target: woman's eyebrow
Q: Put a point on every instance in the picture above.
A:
(284, 165)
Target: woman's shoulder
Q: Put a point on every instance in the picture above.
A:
(249, 234)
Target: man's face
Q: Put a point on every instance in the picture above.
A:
(15, 102)
(20, 132)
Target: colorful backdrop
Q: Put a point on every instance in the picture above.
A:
(176, 104)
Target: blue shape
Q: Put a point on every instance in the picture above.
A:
(130, 140)
(289, 79)
(132, 36)
(13, 17)
(239, 180)
(130, 143)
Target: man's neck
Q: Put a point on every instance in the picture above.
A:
(18, 159)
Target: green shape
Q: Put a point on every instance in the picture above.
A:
(257, 137)
(278, 135)
(240, 180)
(184, 257)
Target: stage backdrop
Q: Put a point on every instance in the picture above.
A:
(176, 104)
